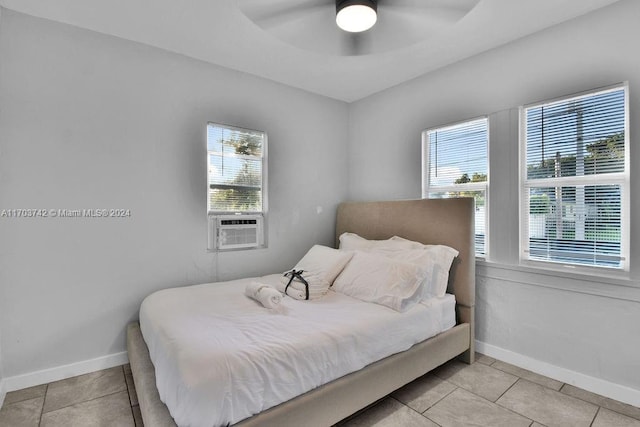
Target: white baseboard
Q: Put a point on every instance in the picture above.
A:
(45, 376)
(595, 385)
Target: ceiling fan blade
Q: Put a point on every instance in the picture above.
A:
(272, 13)
(316, 31)
(400, 24)
(461, 5)
(310, 24)
(402, 20)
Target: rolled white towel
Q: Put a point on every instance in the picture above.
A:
(264, 294)
(296, 290)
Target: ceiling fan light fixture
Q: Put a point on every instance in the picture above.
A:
(356, 16)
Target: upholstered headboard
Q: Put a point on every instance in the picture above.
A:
(439, 221)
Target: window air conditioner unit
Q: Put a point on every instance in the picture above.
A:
(238, 232)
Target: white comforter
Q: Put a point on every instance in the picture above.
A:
(221, 357)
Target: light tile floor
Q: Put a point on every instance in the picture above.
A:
(488, 393)
(493, 393)
(103, 398)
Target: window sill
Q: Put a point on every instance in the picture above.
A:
(618, 287)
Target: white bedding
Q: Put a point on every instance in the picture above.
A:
(221, 357)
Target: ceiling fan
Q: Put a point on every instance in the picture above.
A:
(383, 25)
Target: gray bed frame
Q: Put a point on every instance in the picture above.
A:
(444, 221)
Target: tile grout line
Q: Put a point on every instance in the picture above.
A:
(595, 416)
(527, 379)
(405, 405)
(46, 390)
(126, 388)
(126, 384)
(475, 394)
(440, 400)
(124, 372)
(509, 409)
(532, 421)
(508, 388)
(482, 398)
(6, 405)
(597, 404)
(85, 401)
(133, 416)
(487, 400)
(560, 390)
(413, 410)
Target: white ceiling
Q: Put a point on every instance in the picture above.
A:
(217, 31)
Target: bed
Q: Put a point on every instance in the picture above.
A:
(447, 222)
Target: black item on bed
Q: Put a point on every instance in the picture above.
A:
(297, 275)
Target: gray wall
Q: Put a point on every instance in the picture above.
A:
(2, 296)
(2, 389)
(91, 121)
(584, 324)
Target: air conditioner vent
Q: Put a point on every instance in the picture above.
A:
(236, 232)
(238, 221)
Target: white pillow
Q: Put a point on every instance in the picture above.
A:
(435, 259)
(320, 266)
(410, 244)
(354, 242)
(381, 280)
(442, 259)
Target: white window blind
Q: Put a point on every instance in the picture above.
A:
(235, 160)
(455, 165)
(575, 180)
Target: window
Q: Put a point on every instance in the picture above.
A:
(575, 176)
(236, 186)
(454, 164)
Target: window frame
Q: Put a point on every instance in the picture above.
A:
(264, 187)
(616, 178)
(469, 186)
(213, 215)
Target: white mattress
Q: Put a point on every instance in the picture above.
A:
(221, 357)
